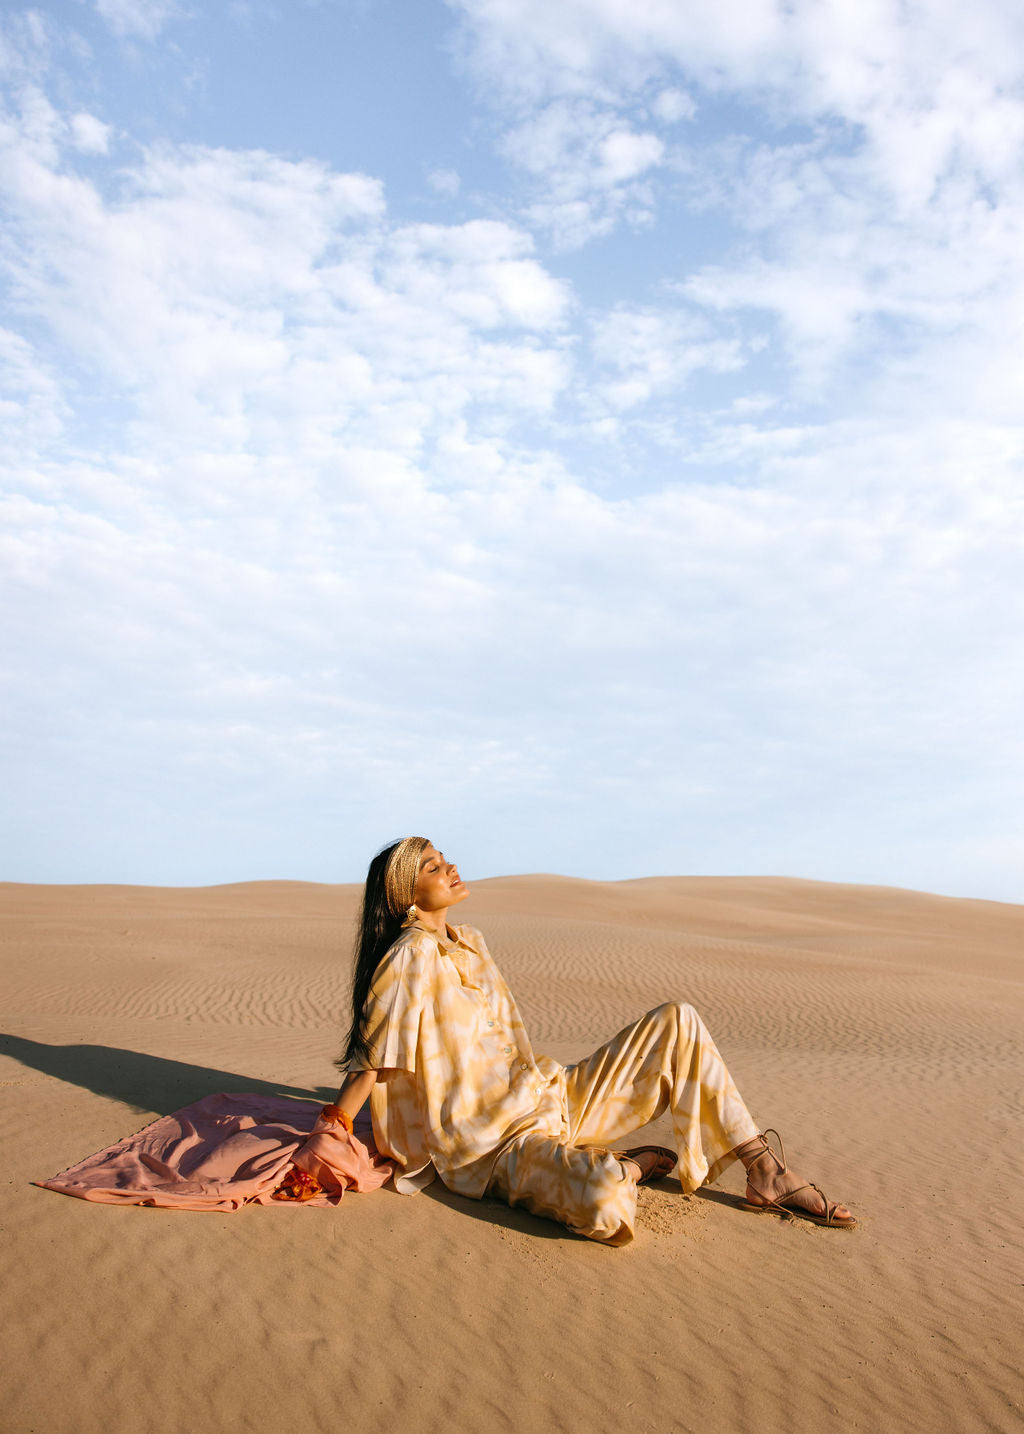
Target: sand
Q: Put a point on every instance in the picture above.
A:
(878, 1029)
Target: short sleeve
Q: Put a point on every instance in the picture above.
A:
(393, 1009)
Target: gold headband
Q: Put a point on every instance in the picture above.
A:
(401, 872)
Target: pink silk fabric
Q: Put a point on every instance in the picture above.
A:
(226, 1151)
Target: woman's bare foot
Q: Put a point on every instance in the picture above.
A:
(771, 1185)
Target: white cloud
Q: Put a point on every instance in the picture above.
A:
(915, 126)
(24, 45)
(138, 19)
(536, 49)
(589, 168)
(321, 518)
(846, 55)
(445, 182)
(838, 264)
(32, 407)
(482, 271)
(654, 351)
(234, 295)
(672, 105)
(89, 134)
(625, 155)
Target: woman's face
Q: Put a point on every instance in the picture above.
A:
(438, 885)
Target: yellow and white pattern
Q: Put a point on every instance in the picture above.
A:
(462, 1093)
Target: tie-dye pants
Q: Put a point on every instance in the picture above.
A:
(667, 1061)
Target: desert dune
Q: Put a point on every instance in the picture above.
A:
(879, 1030)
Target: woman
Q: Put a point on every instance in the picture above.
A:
(438, 1046)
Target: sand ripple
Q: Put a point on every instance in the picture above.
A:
(880, 1030)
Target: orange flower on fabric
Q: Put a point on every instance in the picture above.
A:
(297, 1185)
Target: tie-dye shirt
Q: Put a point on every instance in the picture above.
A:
(460, 1079)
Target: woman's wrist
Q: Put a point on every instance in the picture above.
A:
(334, 1115)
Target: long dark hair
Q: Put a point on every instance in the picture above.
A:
(387, 895)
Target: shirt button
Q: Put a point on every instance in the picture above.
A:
(490, 1023)
(508, 1050)
(523, 1066)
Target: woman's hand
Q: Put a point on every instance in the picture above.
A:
(323, 1165)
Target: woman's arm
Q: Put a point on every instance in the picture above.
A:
(354, 1090)
(351, 1098)
(299, 1183)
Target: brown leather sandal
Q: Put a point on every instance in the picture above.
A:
(664, 1165)
(780, 1207)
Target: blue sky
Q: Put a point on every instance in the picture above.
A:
(588, 434)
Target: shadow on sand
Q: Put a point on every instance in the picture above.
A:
(495, 1212)
(144, 1082)
(152, 1083)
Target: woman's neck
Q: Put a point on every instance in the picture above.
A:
(436, 921)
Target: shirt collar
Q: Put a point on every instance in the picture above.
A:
(450, 938)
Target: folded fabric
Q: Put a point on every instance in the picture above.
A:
(226, 1151)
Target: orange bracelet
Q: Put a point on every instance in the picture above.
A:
(334, 1115)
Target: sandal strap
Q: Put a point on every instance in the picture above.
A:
(780, 1203)
(830, 1209)
(766, 1149)
(781, 1163)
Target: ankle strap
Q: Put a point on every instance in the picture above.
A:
(763, 1136)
